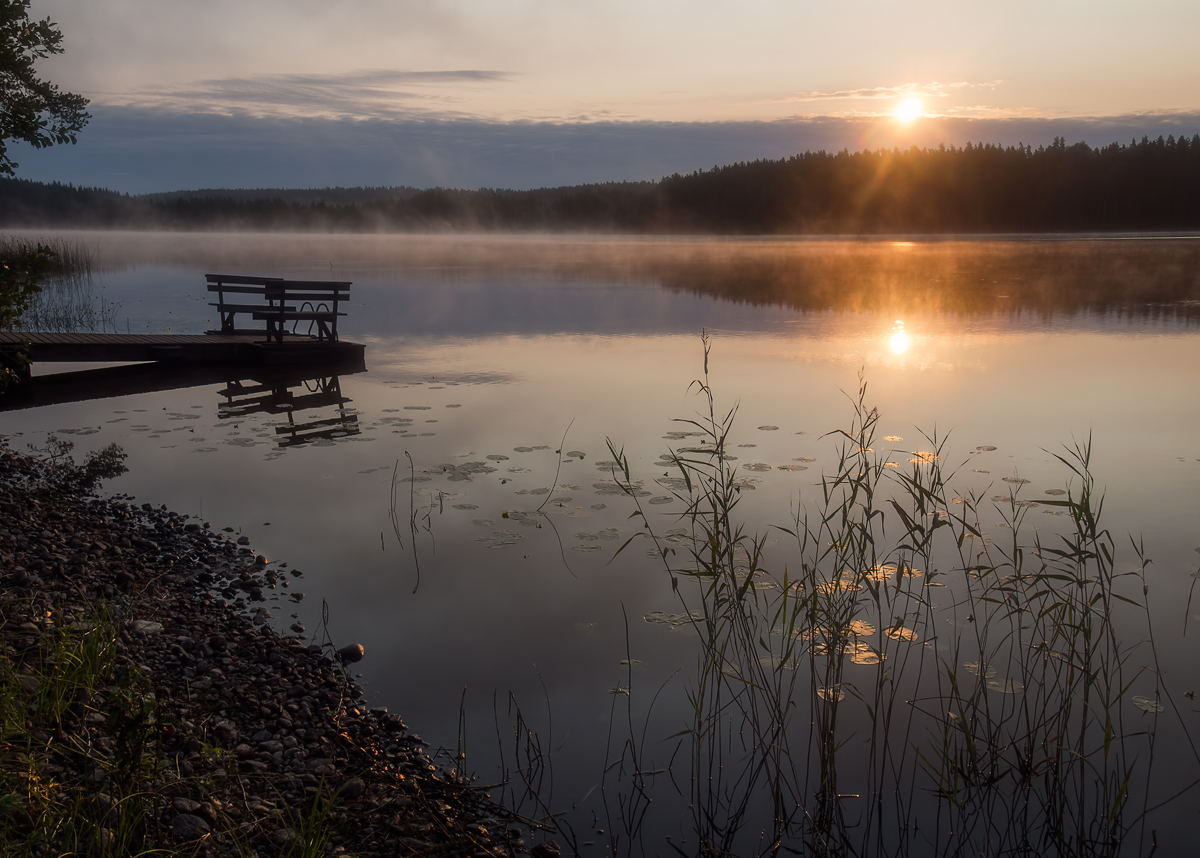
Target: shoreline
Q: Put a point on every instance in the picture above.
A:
(249, 739)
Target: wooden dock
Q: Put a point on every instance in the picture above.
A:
(239, 378)
(250, 347)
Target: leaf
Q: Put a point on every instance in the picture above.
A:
(1147, 704)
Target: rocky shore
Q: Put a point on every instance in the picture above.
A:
(149, 703)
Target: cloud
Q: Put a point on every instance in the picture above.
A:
(356, 94)
(933, 89)
(140, 150)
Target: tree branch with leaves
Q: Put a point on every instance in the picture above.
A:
(32, 110)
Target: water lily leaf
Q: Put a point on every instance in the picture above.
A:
(1008, 686)
(1147, 704)
(501, 539)
(672, 620)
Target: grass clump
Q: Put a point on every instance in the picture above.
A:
(898, 681)
(78, 742)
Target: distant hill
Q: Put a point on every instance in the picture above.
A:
(306, 196)
(1149, 185)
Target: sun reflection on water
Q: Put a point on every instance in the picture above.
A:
(899, 341)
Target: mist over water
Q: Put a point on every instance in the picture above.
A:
(486, 357)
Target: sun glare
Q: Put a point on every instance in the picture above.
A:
(909, 109)
(899, 341)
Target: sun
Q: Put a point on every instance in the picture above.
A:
(909, 109)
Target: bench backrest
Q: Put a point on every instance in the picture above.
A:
(298, 290)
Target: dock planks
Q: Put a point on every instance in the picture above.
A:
(249, 347)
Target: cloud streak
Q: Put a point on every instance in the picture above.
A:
(933, 89)
(356, 94)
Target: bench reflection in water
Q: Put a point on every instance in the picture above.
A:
(288, 396)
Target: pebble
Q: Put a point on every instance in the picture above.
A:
(185, 826)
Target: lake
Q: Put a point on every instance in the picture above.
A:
(459, 513)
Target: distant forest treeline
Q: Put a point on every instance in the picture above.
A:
(1152, 185)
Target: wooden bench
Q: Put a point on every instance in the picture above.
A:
(295, 301)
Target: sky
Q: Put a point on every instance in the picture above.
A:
(532, 93)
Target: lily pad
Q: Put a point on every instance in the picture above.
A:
(791, 467)
(660, 500)
(465, 506)
(1017, 481)
(501, 539)
(463, 472)
(985, 448)
(832, 694)
(615, 490)
(1008, 686)
(1147, 704)
(756, 466)
(1056, 492)
(892, 438)
(768, 428)
(980, 669)
(672, 620)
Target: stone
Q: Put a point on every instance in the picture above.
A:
(146, 627)
(352, 789)
(284, 836)
(186, 826)
(226, 732)
(185, 805)
(351, 653)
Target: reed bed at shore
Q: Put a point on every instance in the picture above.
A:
(902, 683)
(66, 298)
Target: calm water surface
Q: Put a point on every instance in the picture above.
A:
(491, 350)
